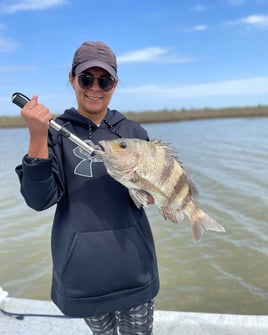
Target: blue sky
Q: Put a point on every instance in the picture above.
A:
(171, 53)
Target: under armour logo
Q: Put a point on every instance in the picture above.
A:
(84, 168)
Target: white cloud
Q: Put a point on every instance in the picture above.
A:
(24, 5)
(239, 87)
(259, 21)
(200, 27)
(16, 68)
(7, 45)
(152, 55)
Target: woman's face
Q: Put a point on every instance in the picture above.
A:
(92, 102)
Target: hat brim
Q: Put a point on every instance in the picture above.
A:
(94, 63)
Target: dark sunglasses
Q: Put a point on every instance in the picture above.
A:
(86, 80)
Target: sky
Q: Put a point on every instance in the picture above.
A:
(171, 54)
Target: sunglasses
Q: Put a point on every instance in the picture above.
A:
(86, 80)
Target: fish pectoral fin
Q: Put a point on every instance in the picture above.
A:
(143, 183)
(141, 198)
(173, 215)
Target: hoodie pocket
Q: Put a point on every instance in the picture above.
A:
(103, 262)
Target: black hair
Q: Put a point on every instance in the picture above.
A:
(73, 71)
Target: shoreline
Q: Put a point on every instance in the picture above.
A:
(167, 115)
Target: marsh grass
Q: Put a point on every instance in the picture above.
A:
(167, 115)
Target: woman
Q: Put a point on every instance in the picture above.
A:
(104, 261)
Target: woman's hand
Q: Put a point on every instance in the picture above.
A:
(37, 117)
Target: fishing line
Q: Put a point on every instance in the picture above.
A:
(21, 316)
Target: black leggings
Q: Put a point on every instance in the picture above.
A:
(137, 320)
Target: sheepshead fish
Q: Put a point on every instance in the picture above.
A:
(153, 174)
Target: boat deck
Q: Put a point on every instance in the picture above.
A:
(171, 323)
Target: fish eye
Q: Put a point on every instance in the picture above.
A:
(123, 145)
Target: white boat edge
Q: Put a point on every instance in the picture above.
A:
(165, 322)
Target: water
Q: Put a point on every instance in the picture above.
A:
(225, 273)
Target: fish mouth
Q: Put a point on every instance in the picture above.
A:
(103, 149)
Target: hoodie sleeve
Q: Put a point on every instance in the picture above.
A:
(40, 182)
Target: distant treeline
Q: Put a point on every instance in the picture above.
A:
(167, 115)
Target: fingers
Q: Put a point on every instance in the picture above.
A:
(35, 110)
(31, 103)
(36, 115)
(35, 98)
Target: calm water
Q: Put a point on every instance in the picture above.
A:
(226, 273)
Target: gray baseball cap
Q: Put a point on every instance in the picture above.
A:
(91, 54)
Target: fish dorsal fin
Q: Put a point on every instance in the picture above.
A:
(168, 149)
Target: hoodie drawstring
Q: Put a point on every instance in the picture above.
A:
(116, 132)
(89, 130)
(110, 126)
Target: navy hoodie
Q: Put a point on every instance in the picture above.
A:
(102, 246)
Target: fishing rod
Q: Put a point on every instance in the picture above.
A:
(20, 100)
(21, 316)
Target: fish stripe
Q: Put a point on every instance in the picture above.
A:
(186, 200)
(167, 168)
(178, 188)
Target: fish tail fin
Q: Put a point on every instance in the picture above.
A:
(201, 222)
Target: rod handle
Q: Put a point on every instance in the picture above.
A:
(19, 99)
